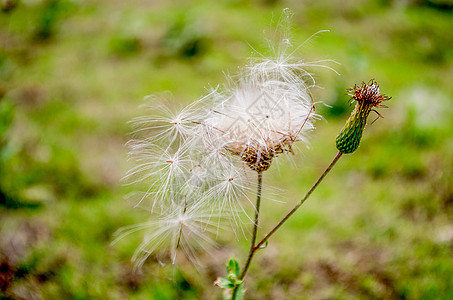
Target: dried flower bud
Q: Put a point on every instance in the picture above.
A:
(366, 96)
(258, 160)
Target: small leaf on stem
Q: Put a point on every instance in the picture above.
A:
(264, 246)
(233, 267)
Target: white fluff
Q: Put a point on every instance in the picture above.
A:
(193, 165)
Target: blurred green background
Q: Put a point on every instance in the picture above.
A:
(73, 73)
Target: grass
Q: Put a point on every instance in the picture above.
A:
(72, 74)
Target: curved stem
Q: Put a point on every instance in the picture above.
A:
(286, 217)
(255, 230)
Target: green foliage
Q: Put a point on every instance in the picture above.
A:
(231, 281)
(183, 39)
(125, 46)
(6, 118)
(49, 15)
(339, 106)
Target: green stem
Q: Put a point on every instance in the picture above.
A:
(255, 230)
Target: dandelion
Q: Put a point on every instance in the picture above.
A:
(195, 165)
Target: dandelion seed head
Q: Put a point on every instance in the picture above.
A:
(259, 118)
(194, 165)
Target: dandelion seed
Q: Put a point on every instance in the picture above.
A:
(228, 190)
(165, 126)
(184, 225)
(163, 170)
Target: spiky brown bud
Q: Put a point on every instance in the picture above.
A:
(367, 96)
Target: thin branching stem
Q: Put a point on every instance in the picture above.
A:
(254, 248)
(273, 230)
(255, 230)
